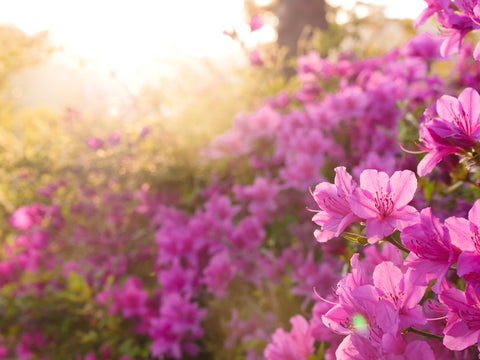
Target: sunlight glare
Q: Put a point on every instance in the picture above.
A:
(406, 9)
(128, 34)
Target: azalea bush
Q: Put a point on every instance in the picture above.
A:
(140, 244)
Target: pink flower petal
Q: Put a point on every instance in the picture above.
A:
(458, 336)
(474, 213)
(362, 204)
(468, 263)
(460, 234)
(403, 185)
(373, 180)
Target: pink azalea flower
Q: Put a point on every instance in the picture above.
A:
(219, 273)
(146, 130)
(372, 326)
(312, 65)
(132, 299)
(281, 100)
(335, 213)
(456, 25)
(3, 351)
(435, 151)
(459, 119)
(23, 218)
(404, 291)
(373, 314)
(432, 8)
(424, 45)
(176, 328)
(463, 318)
(296, 345)
(115, 138)
(382, 202)
(431, 249)
(465, 235)
(26, 217)
(255, 59)
(255, 23)
(95, 143)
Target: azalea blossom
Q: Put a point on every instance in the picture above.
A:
(404, 291)
(295, 345)
(463, 318)
(335, 213)
(433, 7)
(466, 236)
(431, 250)
(456, 128)
(382, 202)
(255, 23)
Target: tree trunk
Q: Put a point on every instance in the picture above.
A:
(294, 15)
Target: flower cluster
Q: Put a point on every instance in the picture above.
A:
(378, 310)
(457, 18)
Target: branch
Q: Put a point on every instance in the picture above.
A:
(397, 244)
(423, 333)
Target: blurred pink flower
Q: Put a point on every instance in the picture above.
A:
(95, 143)
(115, 138)
(255, 59)
(255, 23)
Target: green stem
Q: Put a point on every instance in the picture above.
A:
(397, 244)
(423, 333)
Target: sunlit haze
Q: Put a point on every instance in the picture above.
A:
(393, 9)
(134, 39)
(127, 34)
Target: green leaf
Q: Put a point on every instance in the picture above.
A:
(355, 237)
(428, 190)
(78, 285)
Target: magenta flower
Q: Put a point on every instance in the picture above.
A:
(431, 249)
(219, 273)
(95, 143)
(23, 218)
(372, 311)
(382, 202)
(255, 59)
(359, 348)
(176, 328)
(433, 7)
(436, 151)
(295, 345)
(463, 318)
(465, 235)
(115, 138)
(132, 298)
(455, 26)
(456, 128)
(459, 119)
(404, 291)
(371, 325)
(255, 23)
(335, 213)
(424, 45)
(27, 217)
